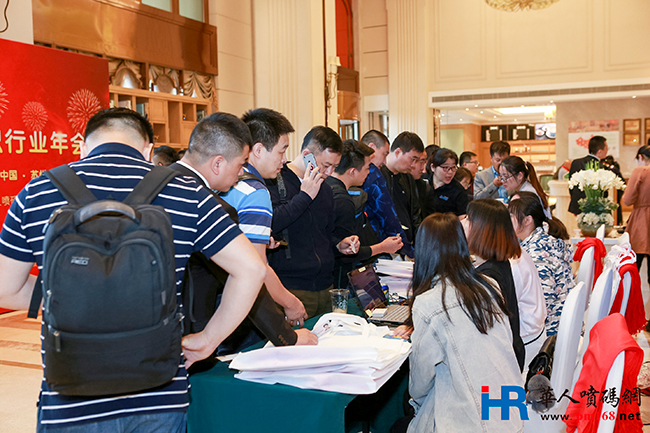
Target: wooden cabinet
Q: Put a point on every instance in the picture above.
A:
(541, 153)
(173, 117)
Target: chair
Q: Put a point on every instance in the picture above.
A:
(624, 240)
(564, 360)
(586, 272)
(600, 233)
(614, 380)
(599, 306)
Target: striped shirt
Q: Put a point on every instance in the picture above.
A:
(253, 203)
(111, 171)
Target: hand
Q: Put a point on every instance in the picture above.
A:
(273, 244)
(311, 182)
(295, 312)
(196, 347)
(497, 181)
(306, 338)
(392, 244)
(403, 331)
(349, 245)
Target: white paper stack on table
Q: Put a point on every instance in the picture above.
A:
(352, 357)
(396, 275)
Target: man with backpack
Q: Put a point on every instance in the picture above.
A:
(96, 258)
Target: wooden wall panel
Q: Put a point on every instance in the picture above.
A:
(128, 30)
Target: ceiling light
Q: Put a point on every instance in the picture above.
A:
(442, 114)
(461, 120)
(515, 120)
(475, 105)
(495, 117)
(527, 110)
(481, 112)
(551, 102)
(633, 96)
(466, 109)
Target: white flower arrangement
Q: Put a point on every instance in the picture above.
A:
(595, 181)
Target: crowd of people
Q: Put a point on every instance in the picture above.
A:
(491, 273)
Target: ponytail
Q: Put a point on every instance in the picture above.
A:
(534, 181)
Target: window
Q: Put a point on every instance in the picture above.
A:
(165, 5)
(192, 9)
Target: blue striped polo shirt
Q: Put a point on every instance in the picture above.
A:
(252, 201)
(199, 224)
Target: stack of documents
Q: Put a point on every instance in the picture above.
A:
(396, 275)
(352, 357)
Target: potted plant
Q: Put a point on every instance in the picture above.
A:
(596, 208)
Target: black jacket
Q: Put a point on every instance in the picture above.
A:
(451, 197)
(208, 281)
(502, 274)
(307, 262)
(402, 189)
(346, 224)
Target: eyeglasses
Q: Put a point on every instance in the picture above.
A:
(471, 162)
(504, 179)
(448, 168)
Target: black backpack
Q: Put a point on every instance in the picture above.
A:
(111, 324)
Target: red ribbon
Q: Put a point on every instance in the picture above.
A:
(635, 312)
(599, 254)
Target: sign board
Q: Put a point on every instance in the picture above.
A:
(580, 132)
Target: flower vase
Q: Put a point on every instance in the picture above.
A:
(589, 230)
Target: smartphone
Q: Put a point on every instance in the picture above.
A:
(309, 159)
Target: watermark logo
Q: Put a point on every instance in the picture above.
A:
(505, 402)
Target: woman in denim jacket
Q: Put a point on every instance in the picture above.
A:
(462, 341)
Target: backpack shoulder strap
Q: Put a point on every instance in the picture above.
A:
(247, 176)
(74, 190)
(282, 188)
(150, 186)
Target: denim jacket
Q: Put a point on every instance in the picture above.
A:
(450, 363)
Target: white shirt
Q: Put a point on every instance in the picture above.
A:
(530, 297)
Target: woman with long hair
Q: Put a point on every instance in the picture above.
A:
(637, 194)
(519, 175)
(448, 194)
(461, 338)
(551, 254)
(492, 240)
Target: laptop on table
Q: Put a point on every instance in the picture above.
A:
(367, 292)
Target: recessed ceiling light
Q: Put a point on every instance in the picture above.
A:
(495, 117)
(442, 114)
(481, 112)
(633, 96)
(515, 120)
(475, 105)
(527, 110)
(461, 120)
(466, 109)
(522, 106)
(551, 102)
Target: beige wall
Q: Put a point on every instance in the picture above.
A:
(235, 89)
(475, 46)
(373, 58)
(19, 15)
(601, 110)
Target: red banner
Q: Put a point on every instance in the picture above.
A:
(46, 99)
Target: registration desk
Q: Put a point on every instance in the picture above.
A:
(221, 403)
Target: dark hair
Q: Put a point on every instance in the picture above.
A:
(406, 142)
(441, 254)
(266, 126)
(353, 156)
(527, 204)
(167, 155)
(431, 149)
(644, 151)
(596, 143)
(492, 235)
(219, 134)
(120, 118)
(515, 165)
(375, 137)
(499, 148)
(437, 159)
(321, 138)
(465, 157)
(181, 153)
(463, 173)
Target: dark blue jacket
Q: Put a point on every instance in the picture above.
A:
(310, 226)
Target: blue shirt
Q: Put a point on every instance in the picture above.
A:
(252, 201)
(199, 223)
(381, 210)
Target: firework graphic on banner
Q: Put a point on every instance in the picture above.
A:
(34, 116)
(82, 106)
(4, 102)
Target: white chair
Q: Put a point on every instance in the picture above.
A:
(586, 271)
(614, 380)
(599, 307)
(600, 233)
(624, 240)
(564, 361)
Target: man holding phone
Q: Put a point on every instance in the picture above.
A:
(303, 216)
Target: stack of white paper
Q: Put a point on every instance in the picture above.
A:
(396, 275)
(352, 357)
